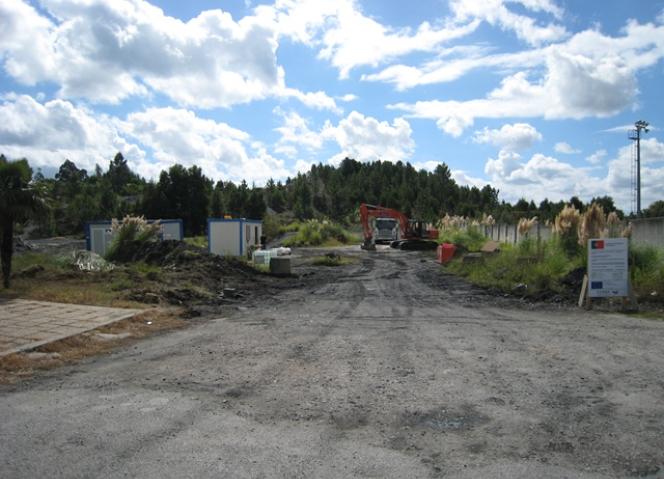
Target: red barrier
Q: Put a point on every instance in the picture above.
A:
(445, 253)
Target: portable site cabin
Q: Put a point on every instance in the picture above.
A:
(98, 234)
(233, 237)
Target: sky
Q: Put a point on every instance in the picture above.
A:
(535, 97)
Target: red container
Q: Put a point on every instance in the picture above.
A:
(445, 253)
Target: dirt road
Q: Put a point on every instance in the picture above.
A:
(390, 370)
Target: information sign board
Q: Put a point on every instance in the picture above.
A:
(608, 271)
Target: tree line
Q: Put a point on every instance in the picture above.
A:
(75, 196)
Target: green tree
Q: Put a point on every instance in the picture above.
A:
(607, 204)
(119, 173)
(19, 201)
(655, 209)
(69, 180)
(255, 207)
(217, 200)
(302, 198)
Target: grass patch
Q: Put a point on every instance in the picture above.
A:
(58, 281)
(470, 239)
(23, 261)
(262, 268)
(198, 241)
(15, 367)
(291, 227)
(534, 268)
(647, 272)
(320, 233)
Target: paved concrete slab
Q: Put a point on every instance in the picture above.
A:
(26, 324)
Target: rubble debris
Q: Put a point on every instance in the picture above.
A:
(85, 260)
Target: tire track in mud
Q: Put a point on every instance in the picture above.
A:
(347, 295)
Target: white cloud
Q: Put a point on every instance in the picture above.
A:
(544, 176)
(652, 173)
(540, 177)
(503, 166)
(348, 97)
(596, 157)
(48, 133)
(565, 148)
(295, 131)
(107, 51)
(363, 138)
(515, 137)
(318, 100)
(462, 178)
(495, 12)
(426, 165)
(623, 129)
(367, 139)
(452, 64)
(347, 38)
(180, 136)
(589, 75)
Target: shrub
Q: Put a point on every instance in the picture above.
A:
(470, 238)
(613, 225)
(592, 224)
(130, 234)
(566, 227)
(317, 233)
(510, 268)
(647, 272)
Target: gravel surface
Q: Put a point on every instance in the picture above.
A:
(387, 370)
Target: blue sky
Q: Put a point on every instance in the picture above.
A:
(532, 96)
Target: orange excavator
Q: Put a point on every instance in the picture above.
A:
(413, 234)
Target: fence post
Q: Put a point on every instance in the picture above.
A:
(515, 233)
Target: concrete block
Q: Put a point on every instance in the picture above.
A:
(280, 266)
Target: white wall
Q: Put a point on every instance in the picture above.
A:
(224, 237)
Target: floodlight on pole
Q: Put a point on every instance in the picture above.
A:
(635, 135)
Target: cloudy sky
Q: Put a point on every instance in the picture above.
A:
(532, 96)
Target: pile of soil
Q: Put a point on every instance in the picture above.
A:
(204, 283)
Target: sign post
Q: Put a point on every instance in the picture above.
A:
(608, 268)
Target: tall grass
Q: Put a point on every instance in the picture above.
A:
(647, 272)
(469, 238)
(566, 227)
(512, 267)
(319, 233)
(130, 234)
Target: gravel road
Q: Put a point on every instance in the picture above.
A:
(389, 370)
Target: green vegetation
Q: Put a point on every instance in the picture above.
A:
(320, 233)
(19, 201)
(533, 267)
(130, 235)
(45, 277)
(470, 239)
(647, 272)
(198, 241)
(76, 196)
(538, 266)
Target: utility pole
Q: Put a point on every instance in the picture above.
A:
(635, 135)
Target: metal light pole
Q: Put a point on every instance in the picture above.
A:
(636, 136)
